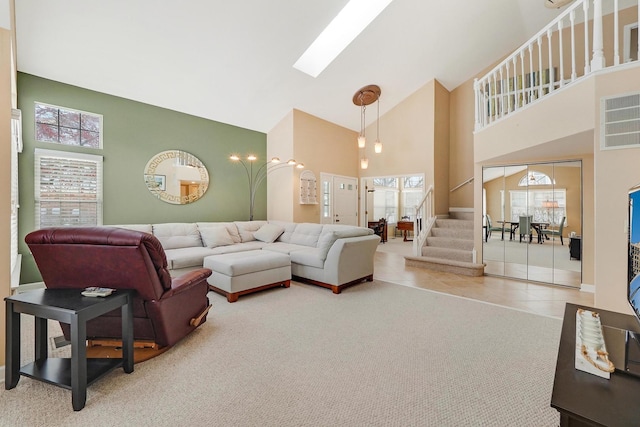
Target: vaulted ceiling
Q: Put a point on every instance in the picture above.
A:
(232, 60)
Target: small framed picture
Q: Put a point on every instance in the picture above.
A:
(156, 182)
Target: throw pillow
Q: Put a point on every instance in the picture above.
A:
(215, 236)
(268, 233)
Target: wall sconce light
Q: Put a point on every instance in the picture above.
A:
(363, 97)
(255, 179)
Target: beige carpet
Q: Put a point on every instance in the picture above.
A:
(376, 355)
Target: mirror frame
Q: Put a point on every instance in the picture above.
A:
(157, 183)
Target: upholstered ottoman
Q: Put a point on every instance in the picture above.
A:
(241, 273)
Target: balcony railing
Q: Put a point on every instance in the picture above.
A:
(563, 52)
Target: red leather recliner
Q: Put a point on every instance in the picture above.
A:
(165, 310)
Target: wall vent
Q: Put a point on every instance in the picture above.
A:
(621, 122)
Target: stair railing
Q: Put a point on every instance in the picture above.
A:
(522, 79)
(423, 221)
(462, 184)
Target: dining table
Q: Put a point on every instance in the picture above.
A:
(538, 226)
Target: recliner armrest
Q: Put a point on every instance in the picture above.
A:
(178, 284)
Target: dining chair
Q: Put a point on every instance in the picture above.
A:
(558, 232)
(525, 228)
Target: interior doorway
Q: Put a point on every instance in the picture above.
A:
(339, 199)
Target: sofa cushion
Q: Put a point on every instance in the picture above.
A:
(285, 248)
(306, 234)
(230, 226)
(309, 256)
(343, 231)
(145, 228)
(247, 228)
(238, 247)
(268, 233)
(289, 229)
(186, 257)
(177, 235)
(215, 236)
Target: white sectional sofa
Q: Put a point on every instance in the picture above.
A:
(328, 255)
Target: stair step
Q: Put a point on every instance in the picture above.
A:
(444, 265)
(453, 233)
(454, 223)
(461, 215)
(447, 242)
(446, 253)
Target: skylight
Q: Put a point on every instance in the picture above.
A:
(342, 30)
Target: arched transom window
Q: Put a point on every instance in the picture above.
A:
(535, 178)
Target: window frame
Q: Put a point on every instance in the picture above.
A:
(99, 117)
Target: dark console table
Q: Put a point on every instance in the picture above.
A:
(584, 399)
(67, 306)
(575, 247)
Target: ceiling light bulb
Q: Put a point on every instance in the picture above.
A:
(291, 162)
(300, 166)
(251, 157)
(234, 157)
(364, 163)
(362, 141)
(275, 160)
(377, 147)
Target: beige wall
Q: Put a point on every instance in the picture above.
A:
(615, 172)
(441, 151)
(461, 144)
(322, 146)
(6, 99)
(280, 183)
(408, 133)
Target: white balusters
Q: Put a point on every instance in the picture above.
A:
(512, 84)
(616, 42)
(572, 18)
(551, 68)
(597, 62)
(585, 7)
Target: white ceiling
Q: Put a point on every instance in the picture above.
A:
(232, 60)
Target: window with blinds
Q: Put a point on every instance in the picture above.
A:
(16, 147)
(68, 189)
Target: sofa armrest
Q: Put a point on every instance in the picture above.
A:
(350, 259)
(187, 281)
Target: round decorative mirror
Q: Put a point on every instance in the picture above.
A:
(176, 177)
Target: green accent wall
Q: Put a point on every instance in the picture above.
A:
(133, 132)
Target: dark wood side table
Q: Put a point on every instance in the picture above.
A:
(588, 400)
(67, 306)
(405, 226)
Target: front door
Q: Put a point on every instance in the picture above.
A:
(339, 199)
(345, 200)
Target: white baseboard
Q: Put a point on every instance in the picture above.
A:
(588, 288)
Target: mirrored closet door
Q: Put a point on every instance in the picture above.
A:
(532, 222)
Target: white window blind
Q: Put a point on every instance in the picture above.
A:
(68, 188)
(16, 147)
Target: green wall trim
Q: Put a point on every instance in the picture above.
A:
(133, 132)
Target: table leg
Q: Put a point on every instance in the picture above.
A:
(127, 335)
(78, 363)
(12, 348)
(41, 346)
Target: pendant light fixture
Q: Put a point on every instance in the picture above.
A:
(377, 147)
(363, 97)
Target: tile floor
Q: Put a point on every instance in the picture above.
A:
(538, 298)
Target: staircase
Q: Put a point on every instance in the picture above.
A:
(449, 247)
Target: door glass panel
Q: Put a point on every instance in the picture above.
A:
(493, 220)
(546, 198)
